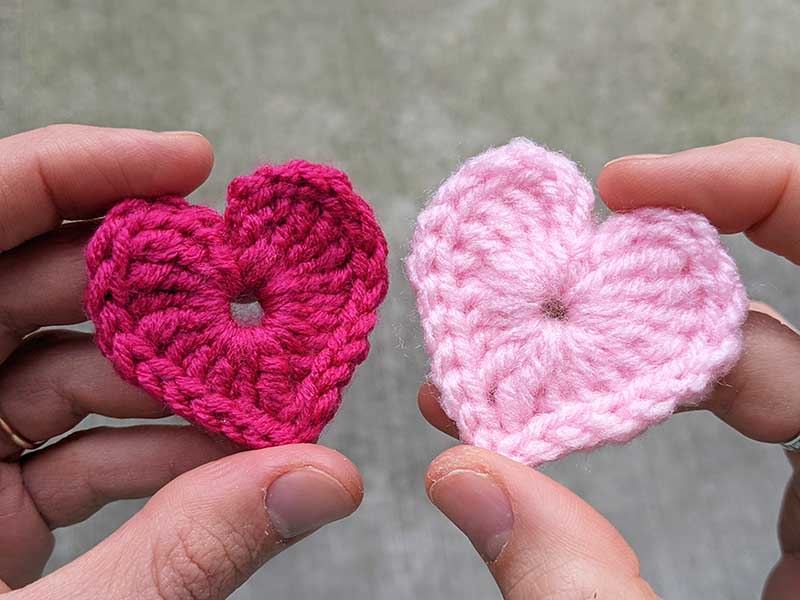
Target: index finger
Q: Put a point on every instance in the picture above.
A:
(749, 185)
(78, 172)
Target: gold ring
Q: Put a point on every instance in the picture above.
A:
(16, 438)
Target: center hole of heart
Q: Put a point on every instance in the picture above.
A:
(554, 309)
(246, 310)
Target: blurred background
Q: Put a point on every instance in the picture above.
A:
(398, 94)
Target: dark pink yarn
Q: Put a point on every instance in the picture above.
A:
(297, 239)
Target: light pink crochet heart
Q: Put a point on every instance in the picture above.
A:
(549, 333)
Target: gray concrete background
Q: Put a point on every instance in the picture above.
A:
(397, 94)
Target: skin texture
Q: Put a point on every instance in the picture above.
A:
(216, 515)
(212, 521)
(559, 547)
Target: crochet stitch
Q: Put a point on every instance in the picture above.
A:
(549, 333)
(172, 289)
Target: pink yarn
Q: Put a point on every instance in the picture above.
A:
(163, 275)
(548, 333)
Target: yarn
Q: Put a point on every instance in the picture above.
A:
(249, 325)
(549, 333)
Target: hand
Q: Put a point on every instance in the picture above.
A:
(205, 532)
(542, 541)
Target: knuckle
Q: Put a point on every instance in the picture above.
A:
(575, 579)
(549, 579)
(184, 572)
(14, 495)
(202, 562)
(10, 327)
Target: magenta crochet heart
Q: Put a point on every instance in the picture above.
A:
(549, 333)
(252, 325)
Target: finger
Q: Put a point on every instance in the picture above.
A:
(757, 397)
(68, 482)
(766, 309)
(538, 538)
(750, 185)
(73, 479)
(42, 283)
(206, 532)
(21, 528)
(76, 172)
(428, 400)
(45, 390)
(784, 581)
(755, 306)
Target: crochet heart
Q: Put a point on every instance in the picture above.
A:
(249, 325)
(549, 333)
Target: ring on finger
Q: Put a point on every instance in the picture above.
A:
(17, 439)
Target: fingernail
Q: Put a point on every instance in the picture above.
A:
(764, 308)
(306, 499)
(191, 133)
(477, 506)
(635, 157)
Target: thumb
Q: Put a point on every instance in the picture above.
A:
(539, 539)
(205, 533)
